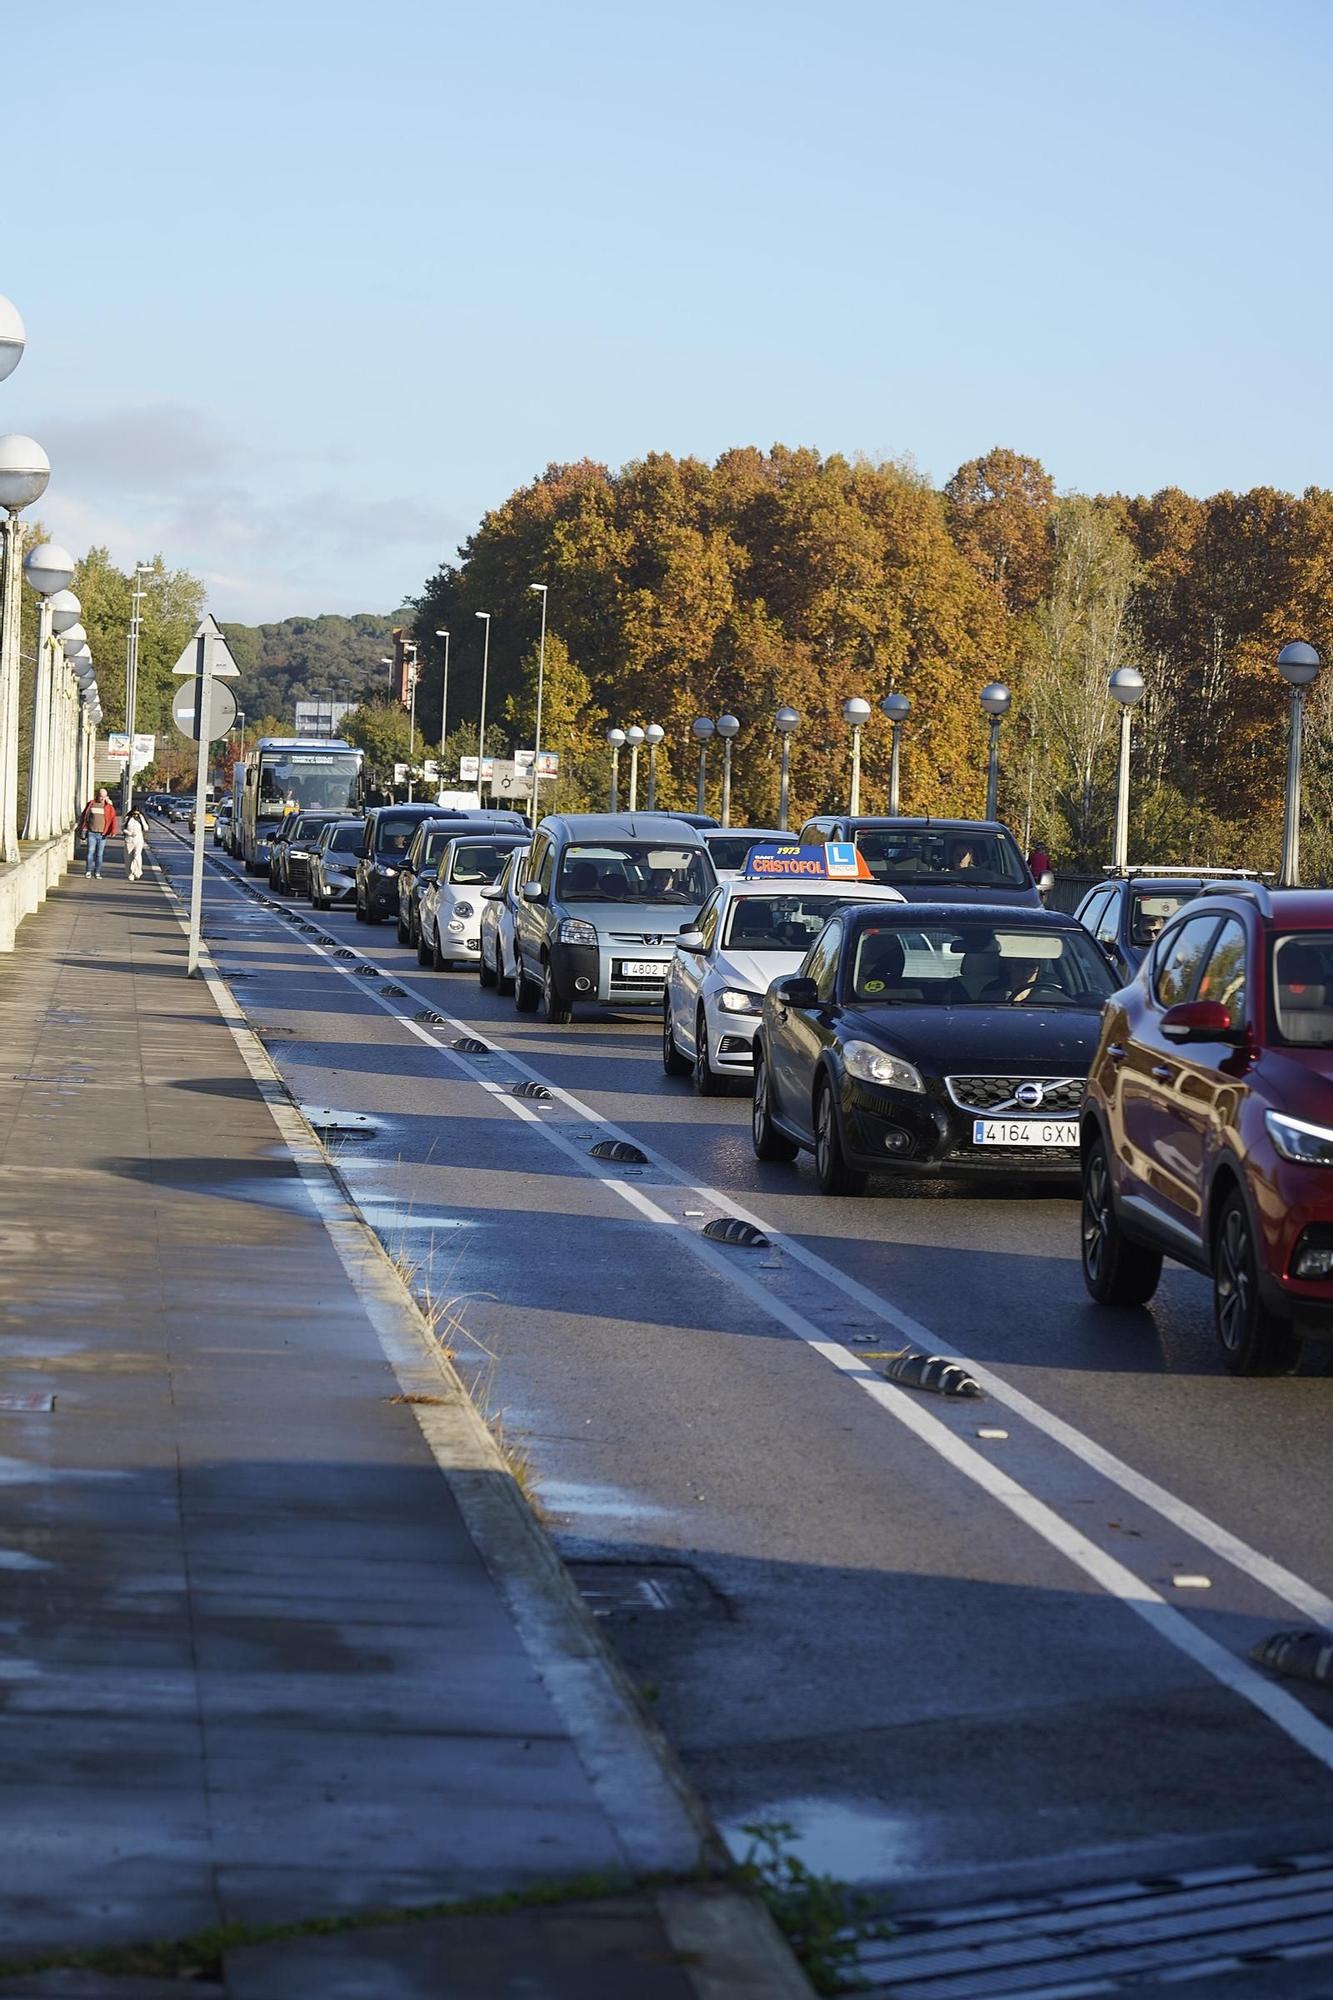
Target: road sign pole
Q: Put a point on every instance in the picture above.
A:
(204, 703)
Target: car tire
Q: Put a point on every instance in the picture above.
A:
(425, 956)
(768, 1142)
(1116, 1270)
(404, 930)
(437, 957)
(485, 973)
(1254, 1341)
(526, 995)
(555, 1007)
(504, 984)
(318, 903)
(358, 912)
(250, 868)
(835, 1176)
(673, 1062)
(707, 1082)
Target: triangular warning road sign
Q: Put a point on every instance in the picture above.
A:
(207, 652)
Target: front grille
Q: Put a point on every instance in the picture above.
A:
(1000, 1093)
(639, 937)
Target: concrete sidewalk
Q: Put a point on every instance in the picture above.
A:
(275, 1644)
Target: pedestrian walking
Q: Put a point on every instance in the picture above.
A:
(98, 824)
(136, 832)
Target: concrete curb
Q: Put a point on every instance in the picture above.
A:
(661, 1823)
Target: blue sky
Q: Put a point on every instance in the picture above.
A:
(309, 287)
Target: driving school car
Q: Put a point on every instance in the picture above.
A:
(751, 931)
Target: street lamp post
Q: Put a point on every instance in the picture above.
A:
(1126, 686)
(897, 707)
(701, 729)
(1298, 665)
(653, 734)
(541, 588)
(386, 661)
(481, 720)
(728, 728)
(65, 609)
(634, 737)
(137, 596)
(24, 471)
(616, 738)
(856, 714)
(411, 650)
(785, 721)
(49, 569)
(441, 633)
(995, 699)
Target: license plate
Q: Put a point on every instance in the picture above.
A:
(1025, 1132)
(642, 968)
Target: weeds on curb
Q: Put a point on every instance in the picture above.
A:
(822, 1920)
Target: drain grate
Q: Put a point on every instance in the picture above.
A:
(625, 1590)
(1110, 1938)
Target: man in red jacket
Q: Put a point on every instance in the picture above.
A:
(98, 824)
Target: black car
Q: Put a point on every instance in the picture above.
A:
(389, 831)
(931, 1039)
(1126, 915)
(935, 860)
(291, 846)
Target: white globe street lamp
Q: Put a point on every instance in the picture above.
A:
(728, 728)
(856, 714)
(1126, 686)
(49, 569)
(13, 338)
(653, 734)
(701, 729)
(995, 699)
(616, 738)
(634, 737)
(1299, 666)
(786, 721)
(897, 707)
(72, 638)
(66, 610)
(24, 472)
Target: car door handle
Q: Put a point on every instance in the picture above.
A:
(1163, 1072)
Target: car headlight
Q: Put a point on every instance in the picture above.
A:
(462, 909)
(297, 854)
(872, 1065)
(577, 930)
(385, 868)
(734, 1000)
(1308, 1145)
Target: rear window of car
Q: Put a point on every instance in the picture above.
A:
(1303, 989)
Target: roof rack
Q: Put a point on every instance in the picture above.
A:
(1185, 868)
(1258, 890)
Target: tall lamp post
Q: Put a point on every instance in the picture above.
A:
(386, 661)
(652, 736)
(995, 699)
(616, 738)
(897, 707)
(1298, 665)
(701, 729)
(137, 596)
(541, 588)
(49, 569)
(481, 720)
(785, 722)
(634, 737)
(856, 714)
(441, 633)
(1126, 685)
(65, 609)
(410, 648)
(24, 471)
(728, 728)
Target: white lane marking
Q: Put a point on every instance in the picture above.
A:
(1229, 1670)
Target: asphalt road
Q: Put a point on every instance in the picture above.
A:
(947, 1658)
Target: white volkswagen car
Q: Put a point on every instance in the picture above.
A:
(750, 932)
(499, 904)
(450, 905)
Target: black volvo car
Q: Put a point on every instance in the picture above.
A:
(929, 1040)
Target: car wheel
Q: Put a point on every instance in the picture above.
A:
(706, 1081)
(370, 916)
(425, 956)
(437, 957)
(1116, 1271)
(318, 902)
(554, 1004)
(673, 1062)
(1254, 1341)
(250, 868)
(359, 911)
(503, 981)
(526, 995)
(485, 973)
(769, 1143)
(835, 1176)
(404, 930)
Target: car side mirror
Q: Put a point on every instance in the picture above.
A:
(1199, 1021)
(492, 894)
(690, 939)
(796, 992)
(363, 852)
(533, 892)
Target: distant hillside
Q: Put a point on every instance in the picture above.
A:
(326, 658)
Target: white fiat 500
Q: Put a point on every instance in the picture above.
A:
(750, 932)
(451, 904)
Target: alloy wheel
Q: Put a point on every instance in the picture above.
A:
(1235, 1282)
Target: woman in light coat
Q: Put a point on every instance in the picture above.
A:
(134, 844)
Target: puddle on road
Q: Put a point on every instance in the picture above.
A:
(852, 1839)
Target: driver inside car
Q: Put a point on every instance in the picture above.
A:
(1018, 981)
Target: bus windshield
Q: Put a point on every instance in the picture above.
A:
(290, 779)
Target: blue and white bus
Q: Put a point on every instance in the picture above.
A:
(284, 774)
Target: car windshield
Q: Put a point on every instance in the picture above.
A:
(344, 839)
(1303, 989)
(634, 872)
(977, 964)
(394, 832)
(942, 854)
(479, 861)
(1153, 908)
(732, 849)
(777, 923)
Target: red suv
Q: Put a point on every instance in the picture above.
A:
(1207, 1131)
